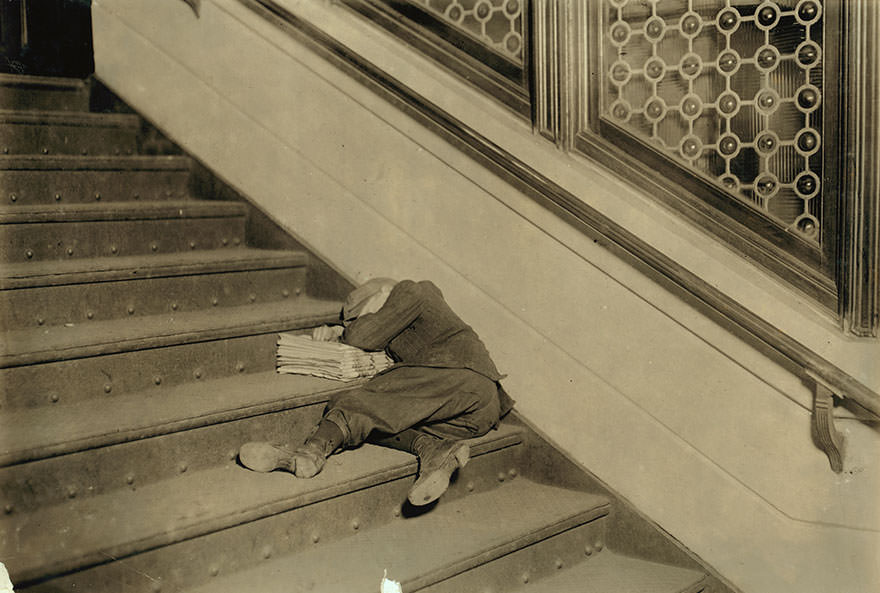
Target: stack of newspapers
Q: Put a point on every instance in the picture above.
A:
(300, 355)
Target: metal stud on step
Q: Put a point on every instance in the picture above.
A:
(70, 251)
(214, 570)
(285, 293)
(129, 479)
(355, 524)
(40, 321)
(45, 150)
(559, 563)
(174, 306)
(157, 380)
(182, 467)
(108, 388)
(237, 241)
(154, 246)
(470, 486)
(512, 473)
(588, 550)
(214, 301)
(130, 309)
(97, 195)
(58, 197)
(598, 545)
(29, 254)
(90, 314)
(8, 509)
(239, 367)
(525, 577)
(192, 244)
(114, 249)
(267, 552)
(53, 398)
(315, 538)
(13, 197)
(197, 374)
(252, 297)
(501, 476)
(71, 492)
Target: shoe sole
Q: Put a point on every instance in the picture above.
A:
(428, 489)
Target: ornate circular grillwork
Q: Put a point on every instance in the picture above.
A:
(497, 24)
(731, 91)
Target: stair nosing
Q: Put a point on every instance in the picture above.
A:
(391, 470)
(69, 118)
(269, 318)
(110, 211)
(94, 163)
(148, 267)
(34, 81)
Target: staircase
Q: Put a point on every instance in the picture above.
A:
(139, 333)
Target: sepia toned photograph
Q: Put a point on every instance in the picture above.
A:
(440, 296)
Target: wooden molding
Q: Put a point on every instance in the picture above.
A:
(860, 155)
(566, 205)
(502, 79)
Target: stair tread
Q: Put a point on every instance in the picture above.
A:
(90, 163)
(608, 572)
(31, 80)
(65, 342)
(160, 265)
(422, 550)
(34, 433)
(86, 531)
(69, 118)
(126, 210)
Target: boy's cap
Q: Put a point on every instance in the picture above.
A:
(358, 297)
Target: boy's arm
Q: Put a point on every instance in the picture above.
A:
(374, 331)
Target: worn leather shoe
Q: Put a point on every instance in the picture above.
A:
(438, 460)
(265, 457)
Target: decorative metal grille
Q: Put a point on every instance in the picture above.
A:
(730, 89)
(497, 24)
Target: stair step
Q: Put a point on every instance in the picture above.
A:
(454, 537)
(65, 132)
(37, 233)
(613, 573)
(31, 180)
(43, 92)
(89, 531)
(108, 288)
(116, 375)
(161, 265)
(47, 344)
(61, 428)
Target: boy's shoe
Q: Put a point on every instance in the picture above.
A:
(265, 457)
(438, 460)
(305, 462)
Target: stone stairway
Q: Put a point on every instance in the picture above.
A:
(139, 331)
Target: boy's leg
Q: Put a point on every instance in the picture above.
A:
(459, 402)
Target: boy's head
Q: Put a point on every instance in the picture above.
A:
(367, 298)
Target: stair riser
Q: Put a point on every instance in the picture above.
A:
(44, 99)
(529, 564)
(196, 561)
(22, 138)
(30, 486)
(82, 303)
(67, 240)
(34, 187)
(112, 375)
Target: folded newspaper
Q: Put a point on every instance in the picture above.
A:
(300, 355)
